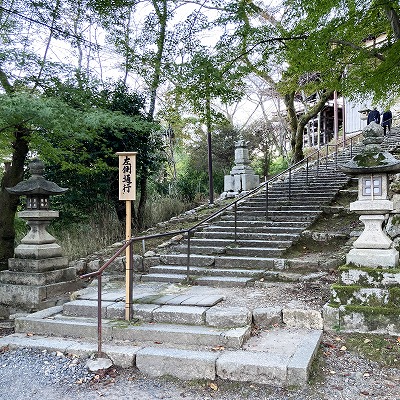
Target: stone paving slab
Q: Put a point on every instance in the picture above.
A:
(191, 315)
(87, 308)
(251, 366)
(265, 365)
(118, 295)
(224, 281)
(182, 364)
(203, 300)
(228, 317)
(121, 355)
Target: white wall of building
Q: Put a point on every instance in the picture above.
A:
(354, 122)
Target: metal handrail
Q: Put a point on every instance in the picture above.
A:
(314, 158)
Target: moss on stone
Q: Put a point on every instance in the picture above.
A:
(375, 318)
(368, 310)
(370, 158)
(368, 276)
(369, 270)
(342, 294)
(394, 297)
(396, 219)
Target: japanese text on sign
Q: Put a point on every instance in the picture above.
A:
(127, 176)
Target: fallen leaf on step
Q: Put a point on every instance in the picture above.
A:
(213, 386)
(218, 348)
(29, 334)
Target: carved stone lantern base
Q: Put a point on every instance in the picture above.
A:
(388, 258)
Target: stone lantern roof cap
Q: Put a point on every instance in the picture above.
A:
(36, 184)
(372, 162)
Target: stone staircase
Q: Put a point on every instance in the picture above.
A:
(207, 331)
(262, 239)
(188, 335)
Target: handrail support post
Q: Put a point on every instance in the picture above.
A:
(188, 258)
(99, 321)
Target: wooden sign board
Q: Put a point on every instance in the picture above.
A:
(127, 175)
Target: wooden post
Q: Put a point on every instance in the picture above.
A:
(335, 116)
(127, 192)
(128, 266)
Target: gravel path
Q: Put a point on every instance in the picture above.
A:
(339, 374)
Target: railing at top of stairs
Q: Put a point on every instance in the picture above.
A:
(318, 159)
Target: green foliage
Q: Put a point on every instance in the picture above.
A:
(342, 42)
(90, 169)
(193, 176)
(278, 165)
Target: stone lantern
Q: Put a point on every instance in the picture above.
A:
(366, 299)
(38, 243)
(38, 275)
(373, 248)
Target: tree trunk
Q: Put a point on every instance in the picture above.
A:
(162, 14)
(8, 203)
(297, 124)
(393, 19)
(292, 118)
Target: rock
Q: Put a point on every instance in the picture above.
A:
(150, 253)
(302, 318)
(99, 364)
(267, 316)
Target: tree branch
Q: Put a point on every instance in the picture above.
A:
(5, 82)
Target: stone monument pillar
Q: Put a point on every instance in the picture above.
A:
(38, 276)
(242, 177)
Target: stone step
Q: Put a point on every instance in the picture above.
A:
(230, 234)
(228, 220)
(280, 357)
(50, 322)
(295, 214)
(231, 262)
(212, 281)
(247, 262)
(222, 243)
(164, 277)
(245, 229)
(280, 207)
(254, 229)
(197, 271)
(206, 249)
(255, 251)
(295, 197)
(224, 281)
(277, 201)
